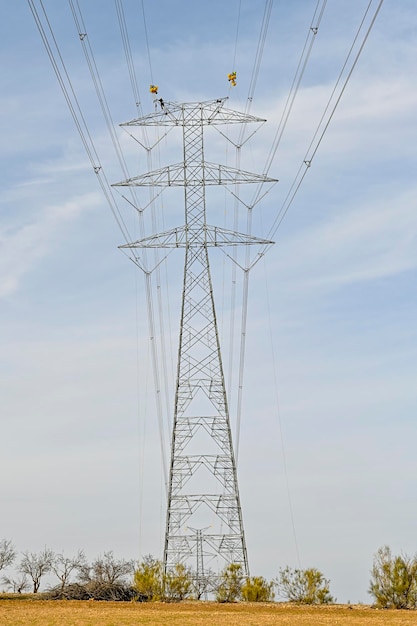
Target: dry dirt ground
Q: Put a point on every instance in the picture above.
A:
(74, 613)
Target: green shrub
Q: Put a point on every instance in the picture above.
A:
(304, 586)
(148, 579)
(230, 585)
(257, 589)
(394, 580)
(178, 583)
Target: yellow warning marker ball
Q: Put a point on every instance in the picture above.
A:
(232, 78)
(153, 89)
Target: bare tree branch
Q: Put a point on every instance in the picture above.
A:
(106, 569)
(7, 553)
(16, 585)
(63, 566)
(36, 565)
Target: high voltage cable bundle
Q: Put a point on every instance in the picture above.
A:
(46, 31)
(149, 260)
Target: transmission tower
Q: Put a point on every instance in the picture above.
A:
(204, 513)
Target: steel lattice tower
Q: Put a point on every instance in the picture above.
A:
(204, 517)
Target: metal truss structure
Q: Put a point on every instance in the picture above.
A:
(204, 527)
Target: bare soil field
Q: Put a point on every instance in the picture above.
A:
(75, 613)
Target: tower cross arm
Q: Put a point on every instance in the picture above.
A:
(209, 236)
(178, 175)
(211, 112)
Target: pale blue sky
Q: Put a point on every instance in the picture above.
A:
(335, 297)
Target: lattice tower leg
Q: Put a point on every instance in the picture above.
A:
(203, 487)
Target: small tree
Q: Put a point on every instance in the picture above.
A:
(7, 553)
(303, 586)
(148, 579)
(257, 589)
(63, 566)
(203, 583)
(230, 585)
(36, 566)
(394, 580)
(108, 570)
(104, 579)
(178, 584)
(17, 585)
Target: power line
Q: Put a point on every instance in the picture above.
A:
(295, 85)
(98, 85)
(242, 347)
(74, 107)
(259, 53)
(318, 138)
(128, 54)
(279, 420)
(147, 41)
(81, 125)
(237, 34)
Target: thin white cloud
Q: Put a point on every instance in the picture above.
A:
(74, 394)
(372, 241)
(23, 246)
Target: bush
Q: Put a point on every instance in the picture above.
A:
(230, 585)
(178, 583)
(304, 586)
(148, 579)
(257, 589)
(394, 580)
(94, 590)
(106, 578)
